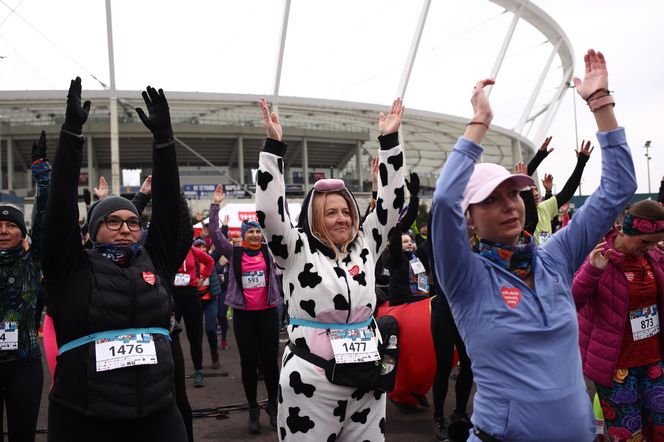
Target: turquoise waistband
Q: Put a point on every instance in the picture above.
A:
(330, 325)
(112, 334)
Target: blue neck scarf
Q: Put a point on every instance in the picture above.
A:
(121, 254)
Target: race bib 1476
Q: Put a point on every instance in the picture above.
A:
(125, 351)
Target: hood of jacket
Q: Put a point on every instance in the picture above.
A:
(305, 221)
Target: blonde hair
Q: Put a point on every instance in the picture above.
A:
(318, 228)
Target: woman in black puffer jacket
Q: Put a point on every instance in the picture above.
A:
(111, 305)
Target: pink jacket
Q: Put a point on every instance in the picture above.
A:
(602, 299)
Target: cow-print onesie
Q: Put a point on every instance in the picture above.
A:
(320, 288)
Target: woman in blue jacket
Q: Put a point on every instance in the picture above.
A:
(512, 300)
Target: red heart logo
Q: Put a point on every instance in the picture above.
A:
(511, 295)
(355, 270)
(149, 277)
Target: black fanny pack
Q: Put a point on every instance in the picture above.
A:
(374, 375)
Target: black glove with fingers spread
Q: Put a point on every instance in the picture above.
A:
(159, 118)
(75, 115)
(39, 148)
(414, 184)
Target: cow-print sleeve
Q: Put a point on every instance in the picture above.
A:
(281, 237)
(378, 223)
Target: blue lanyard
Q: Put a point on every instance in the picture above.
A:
(110, 334)
(331, 325)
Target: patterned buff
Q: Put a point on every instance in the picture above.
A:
(18, 295)
(121, 254)
(633, 226)
(8, 256)
(517, 259)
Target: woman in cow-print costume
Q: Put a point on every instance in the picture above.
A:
(328, 263)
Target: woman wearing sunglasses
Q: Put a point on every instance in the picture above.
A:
(111, 305)
(328, 262)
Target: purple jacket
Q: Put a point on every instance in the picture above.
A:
(602, 300)
(234, 295)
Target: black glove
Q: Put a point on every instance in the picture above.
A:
(414, 184)
(75, 115)
(87, 197)
(39, 148)
(159, 121)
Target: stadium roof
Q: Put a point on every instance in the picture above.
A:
(333, 123)
(211, 123)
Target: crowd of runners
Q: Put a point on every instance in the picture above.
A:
(528, 297)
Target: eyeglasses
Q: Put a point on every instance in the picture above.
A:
(115, 223)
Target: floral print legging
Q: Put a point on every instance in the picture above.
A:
(634, 404)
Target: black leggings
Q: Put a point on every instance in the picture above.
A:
(67, 425)
(257, 337)
(21, 385)
(445, 337)
(188, 305)
(181, 399)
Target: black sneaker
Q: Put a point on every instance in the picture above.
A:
(421, 400)
(458, 430)
(440, 428)
(456, 417)
(254, 420)
(271, 410)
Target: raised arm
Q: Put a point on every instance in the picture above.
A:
(413, 203)
(187, 229)
(164, 235)
(618, 180)
(395, 250)
(62, 250)
(582, 157)
(374, 189)
(220, 241)
(101, 192)
(456, 266)
(41, 172)
(142, 197)
(540, 155)
(547, 185)
(282, 238)
(528, 201)
(390, 199)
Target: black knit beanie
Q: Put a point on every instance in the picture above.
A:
(13, 214)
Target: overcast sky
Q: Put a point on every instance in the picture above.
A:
(351, 50)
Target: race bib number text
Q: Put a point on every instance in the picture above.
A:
(354, 345)
(8, 335)
(125, 351)
(645, 322)
(253, 280)
(182, 279)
